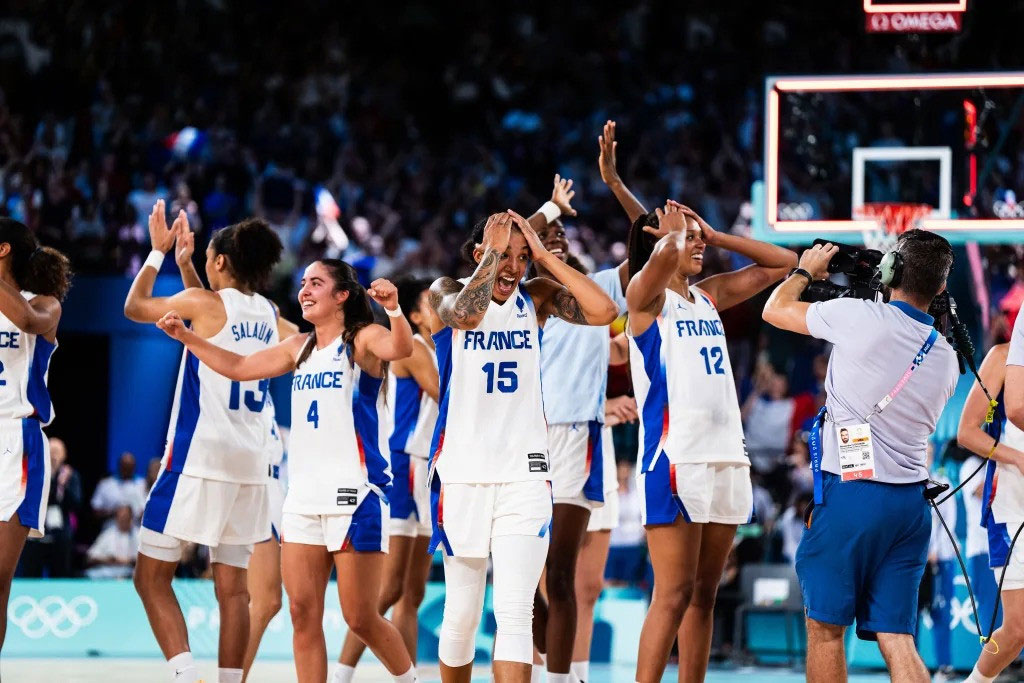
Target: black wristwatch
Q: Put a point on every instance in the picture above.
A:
(801, 271)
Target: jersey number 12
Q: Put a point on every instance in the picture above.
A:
(713, 353)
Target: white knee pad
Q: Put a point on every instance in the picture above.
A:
(465, 580)
(518, 562)
(231, 555)
(160, 546)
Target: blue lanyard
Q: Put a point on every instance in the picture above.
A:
(814, 440)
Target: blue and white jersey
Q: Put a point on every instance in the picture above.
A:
(490, 426)
(1004, 494)
(574, 362)
(404, 399)
(219, 428)
(338, 448)
(24, 366)
(684, 386)
(418, 443)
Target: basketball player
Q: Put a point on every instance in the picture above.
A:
(574, 365)
(1002, 513)
(692, 470)
(412, 400)
(217, 441)
(263, 575)
(335, 509)
(33, 282)
(490, 466)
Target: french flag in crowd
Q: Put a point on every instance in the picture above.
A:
(186, 143)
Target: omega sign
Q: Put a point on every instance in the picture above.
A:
(913, 22)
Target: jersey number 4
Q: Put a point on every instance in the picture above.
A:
(313, 415)
(507, 382)
(251, 401)
(713, 353)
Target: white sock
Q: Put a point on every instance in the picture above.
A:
(978, 677)
(581, 671)
(408, 677)
(537, 673)
(229, 675)
(343, 674)
(183, 668)
(558, 678)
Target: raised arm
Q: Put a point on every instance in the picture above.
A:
(784, 309)
(969, 433)
(38, 315)
(184, 246)
(387, 345)
(610, 175)
(141, 306)
(619, 350)
(646, 291)
(771, 263)
(463, 307)
(420, 366)
(272, 362)
(558, 205)
(575, 298)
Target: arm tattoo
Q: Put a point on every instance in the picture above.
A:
(472, 299)
(565, 306)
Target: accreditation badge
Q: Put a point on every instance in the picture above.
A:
(856, 454)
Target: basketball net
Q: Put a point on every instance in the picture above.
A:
(893, 218)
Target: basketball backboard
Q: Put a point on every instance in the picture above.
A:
(834, 144)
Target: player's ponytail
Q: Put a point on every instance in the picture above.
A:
(252, 249)
(475, 238)
(640, 244)
(40, 270)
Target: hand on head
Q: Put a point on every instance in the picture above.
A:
(533, 241)
(670, 219)
(497, 232)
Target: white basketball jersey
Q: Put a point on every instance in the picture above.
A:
(24, 366)
(337, 448)
(1008, 493)
(684, 386)
(490, 426)
(418, 444)
(219, 428)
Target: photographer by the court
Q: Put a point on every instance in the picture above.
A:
(889, 376)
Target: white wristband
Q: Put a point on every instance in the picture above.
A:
(550, 211)
(155, 259)
(397, 313)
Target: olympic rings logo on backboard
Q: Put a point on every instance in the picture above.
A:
(52, 615)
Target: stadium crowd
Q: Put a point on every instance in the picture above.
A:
(386, 152)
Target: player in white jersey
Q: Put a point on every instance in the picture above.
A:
(574, 367)
(263, 574)
(33, 282)
(412, 403)
(217, 441)
(692, 468)
(1002, 512)
(335, 510)
(490, 469)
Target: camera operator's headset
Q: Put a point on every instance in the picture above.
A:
(890, 274)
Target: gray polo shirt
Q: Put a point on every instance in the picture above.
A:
(1016, 354)
(873, 345)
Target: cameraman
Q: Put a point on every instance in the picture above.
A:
(866, 543)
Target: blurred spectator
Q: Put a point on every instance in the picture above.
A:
(791, 524)
(767, 418)
(123, 488)
(113, 554)
(152, 472)
(627, 557)
(798, 459)
(51, 555)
